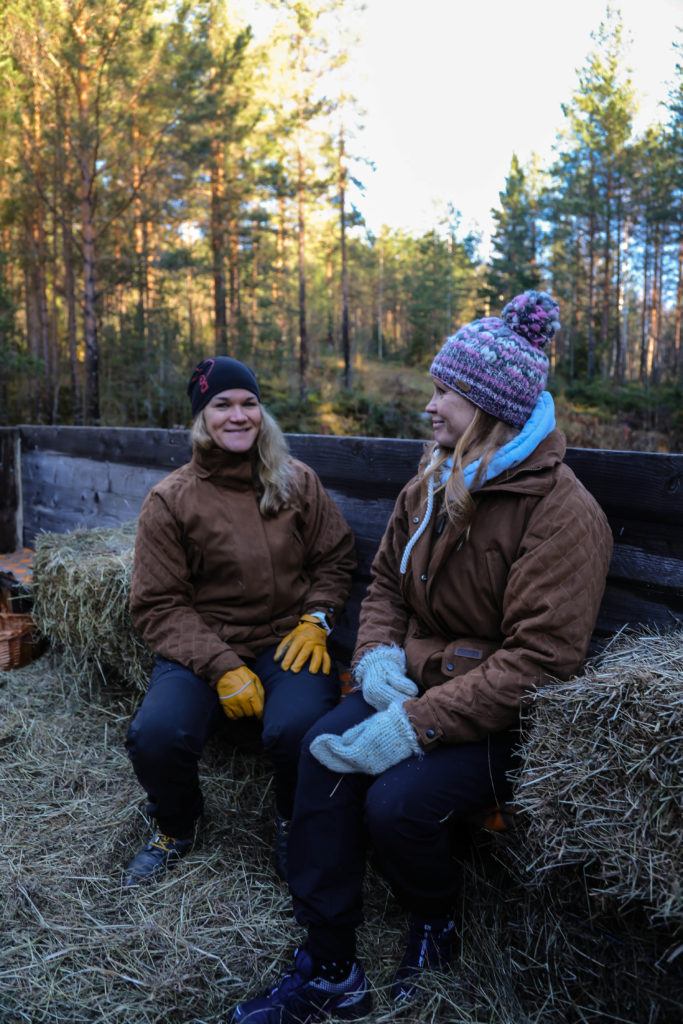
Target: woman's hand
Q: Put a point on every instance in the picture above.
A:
(241, 693)
(382, 675)
(307, 640)
(372, 746)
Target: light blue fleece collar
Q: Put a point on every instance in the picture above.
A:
(535, 430)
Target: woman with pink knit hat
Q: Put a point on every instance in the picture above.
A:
(486, 585)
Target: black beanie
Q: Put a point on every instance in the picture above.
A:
(221, 373)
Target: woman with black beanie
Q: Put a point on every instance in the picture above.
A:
(242, 565)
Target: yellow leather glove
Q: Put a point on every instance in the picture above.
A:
(307, 640)
(241, 693)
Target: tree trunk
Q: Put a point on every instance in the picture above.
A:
(654, 332)
(32, 333)
(303, 330)
(678, 355)
(218, 247)
(590, 326)
(141, 260)
(380, 303)
(643, 316)
(235, 328)
(607, 265)
(278, 280)
(70, 297)
(346, 347)
(255, 270)
(86, 167)
(621, 314)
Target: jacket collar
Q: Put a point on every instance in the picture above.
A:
(225, 469)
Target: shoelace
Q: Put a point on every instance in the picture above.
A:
(438, 940)
(163, 842)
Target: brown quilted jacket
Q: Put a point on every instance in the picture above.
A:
(215, 582)
(485, 620)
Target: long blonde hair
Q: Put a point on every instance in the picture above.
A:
(274, 469)
(484, 436)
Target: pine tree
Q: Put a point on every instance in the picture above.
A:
(588, 174)
(514, 263)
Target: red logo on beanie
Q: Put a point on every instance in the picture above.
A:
(201, 378)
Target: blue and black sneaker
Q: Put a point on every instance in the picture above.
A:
(154, 859)
(429, 947)
(301, 998)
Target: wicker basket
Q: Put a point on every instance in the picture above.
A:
(18, 639)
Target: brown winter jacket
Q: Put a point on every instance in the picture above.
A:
(215, 582)
(484, 620)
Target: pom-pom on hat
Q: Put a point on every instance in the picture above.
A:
(217, 374)
(499, 362)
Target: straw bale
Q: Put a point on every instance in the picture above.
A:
(81, 584)
(601, 786)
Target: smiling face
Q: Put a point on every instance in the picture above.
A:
(451, 414)
(233, 419)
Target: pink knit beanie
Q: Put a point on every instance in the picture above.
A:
(499, 362)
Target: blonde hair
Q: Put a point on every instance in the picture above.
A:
(484, 436)
(274, 468)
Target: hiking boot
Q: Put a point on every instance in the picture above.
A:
(280, 846)
(154, 859)
(430, 947)
(301, 998)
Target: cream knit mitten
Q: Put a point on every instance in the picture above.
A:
(370, 747)
(382, 675)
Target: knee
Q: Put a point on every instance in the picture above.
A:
(389, 820)
(154, 739)
(283, 737)
(295, 731)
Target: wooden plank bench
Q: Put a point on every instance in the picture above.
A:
(57, 479)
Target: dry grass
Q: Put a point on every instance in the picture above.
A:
(574, 917)
(76, 946)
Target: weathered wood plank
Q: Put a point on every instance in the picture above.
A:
(640, 485)
(661, 572)
(63, 493)
(636, 606)
(11, 526)
(359, 466)
(138, 447)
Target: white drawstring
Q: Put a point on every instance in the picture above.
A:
(422, 527)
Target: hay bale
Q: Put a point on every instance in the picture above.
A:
(81, 584)
(601, 786)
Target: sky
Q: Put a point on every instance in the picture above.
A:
(452, 88)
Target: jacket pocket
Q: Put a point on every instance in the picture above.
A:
(466, 653)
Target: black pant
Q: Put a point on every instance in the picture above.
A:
(409, 814)
(180, 711)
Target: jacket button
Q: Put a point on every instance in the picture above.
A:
(416, 519)
(430, 734)
(449, 666)
(423, 577)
